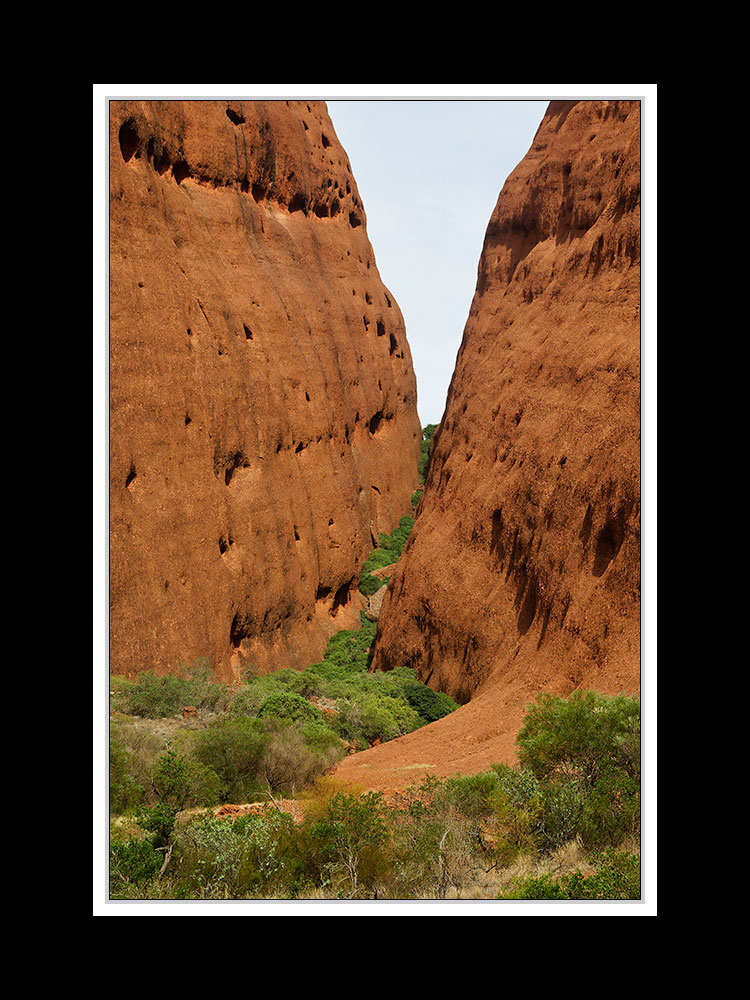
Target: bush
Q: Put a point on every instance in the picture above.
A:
(247, 858)
(132, 861)
(349, 843)
(154, 697)
(232, 749)
(583, 738)
(617, 875)
(430, 705)
(291, 762)
(290, 706)
(124, 792)
(585, 752)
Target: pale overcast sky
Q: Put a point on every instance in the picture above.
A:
(429, 173)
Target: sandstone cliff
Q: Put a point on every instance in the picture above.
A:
(522, 572)
(263, 425)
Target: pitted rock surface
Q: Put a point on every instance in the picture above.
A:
(522, 572)
(263, 424)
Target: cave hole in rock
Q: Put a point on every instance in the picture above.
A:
(248, 331)
(394, 345)
(341, 597)
(375, 421)
(238, 630)
(322, 592)
(129, 139)
(130, 478)
(180, 171)
(234, 117)
(163, 162)
(298, 203)
(608, 542)
(381, 328)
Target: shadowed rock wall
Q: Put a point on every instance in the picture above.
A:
(263, 424)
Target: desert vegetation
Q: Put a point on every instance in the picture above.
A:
(185, 750)
(561, 825)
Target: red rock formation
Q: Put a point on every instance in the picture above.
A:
(522, 572)
(263, 424)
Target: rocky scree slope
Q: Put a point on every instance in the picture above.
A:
(263, 424)
(522, 572)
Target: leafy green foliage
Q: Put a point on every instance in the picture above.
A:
(132, 861)
(124, 791)
(617, 875)
(581, 738)
(154, 697)
(233, 749)
(586, 752)
(424, 458)
(430, 705)
(348, 843)
(288, 705)
(390, 547)
(432, 840)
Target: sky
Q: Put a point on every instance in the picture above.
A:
(429, 173)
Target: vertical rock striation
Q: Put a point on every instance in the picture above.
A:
(263, 424)
(523, 569)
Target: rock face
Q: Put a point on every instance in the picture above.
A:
(263, 423)
(522, 572)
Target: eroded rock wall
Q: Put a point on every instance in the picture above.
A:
(523, 569)
(263, 424)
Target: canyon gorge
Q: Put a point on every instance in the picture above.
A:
(264, 427)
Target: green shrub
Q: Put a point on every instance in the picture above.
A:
(390, 547)
(154, 697)
(233, 749)
(244, 859)
(293, 759)
(586, 753)
(581, 738)
(430, 705)
(349, 844)
(350, 649)
(290, 706)
(617, 875)
(124, 791)
(132, 861)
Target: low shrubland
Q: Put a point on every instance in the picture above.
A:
(562, 824)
